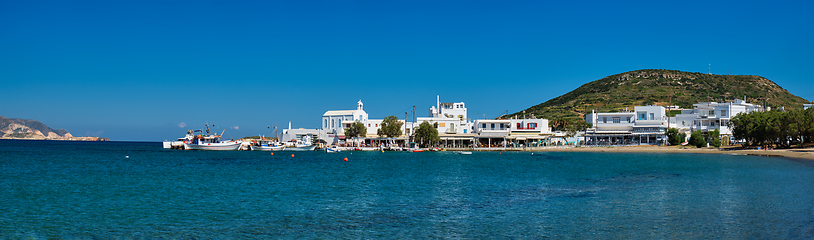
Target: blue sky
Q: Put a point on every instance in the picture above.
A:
(135, 71)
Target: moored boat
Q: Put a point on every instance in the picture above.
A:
(266, 148)
(266, 145)
(303, 144)
(210, 142)
(301, 148)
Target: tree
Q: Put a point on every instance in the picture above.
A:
(391, 127)
(674, 137)
(357, 129)
(574, 125)
(714, 138)
(697, 139)
(426, 135)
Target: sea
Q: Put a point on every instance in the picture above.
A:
(138, 190)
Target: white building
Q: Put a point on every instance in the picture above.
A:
(451, 117)
(500, 133)
(645, 125)
(807, 106)
(335, 121)
(708, 116)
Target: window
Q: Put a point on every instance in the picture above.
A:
(502, 126)
(641, 116)
(604, 119)
(532, 125)
(368, 125)
(484, 125)
(519, 126)
(723, 113)
(377, 125)
(493, 126)
(616, 120)
(652, 116)
(442, 124)
(628, 119)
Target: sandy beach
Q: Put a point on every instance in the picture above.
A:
(802, 153)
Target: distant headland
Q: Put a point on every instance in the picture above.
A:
(16, 128)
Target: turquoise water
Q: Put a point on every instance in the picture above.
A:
(92, 190)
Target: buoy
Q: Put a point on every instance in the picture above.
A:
(292, 155)
(126, 156)
(346, 159)
(272, 154)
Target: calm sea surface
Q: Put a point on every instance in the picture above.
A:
(53, 189)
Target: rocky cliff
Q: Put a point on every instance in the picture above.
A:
(27, 128)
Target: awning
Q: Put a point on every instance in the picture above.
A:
(493, 135)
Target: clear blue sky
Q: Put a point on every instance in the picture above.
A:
(135, 70)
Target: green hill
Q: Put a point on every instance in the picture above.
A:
(663, 88)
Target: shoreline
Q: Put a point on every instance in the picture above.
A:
(801, 153)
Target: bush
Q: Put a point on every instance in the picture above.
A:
(714, 138)
(674, 137)
(697, 139)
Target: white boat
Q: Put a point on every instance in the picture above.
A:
(332, 150)
(266, 145)
(210, 142)
(212, 146)
(301, 148)
(179, 143)
(267, 148)
(463, 153)
(303, 144)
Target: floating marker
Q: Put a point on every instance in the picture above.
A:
(272, 154)
(292, 155)
(346, 159)
(126, 156)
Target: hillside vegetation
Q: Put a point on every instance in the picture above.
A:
(662, 88)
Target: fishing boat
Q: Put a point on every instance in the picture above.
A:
(303, 144)
(301, 148)
(463, 152)
(210, 142)
(332, 150)
(267, 147)
(178, 143)
(268, 144)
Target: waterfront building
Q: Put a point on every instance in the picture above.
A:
(648, 124)
(708, 116)
(451, 121)
(451, 117)
(492, 133)
(292, 135)
(807, 106)
(645, 125)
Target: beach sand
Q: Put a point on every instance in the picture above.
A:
(802, 153)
